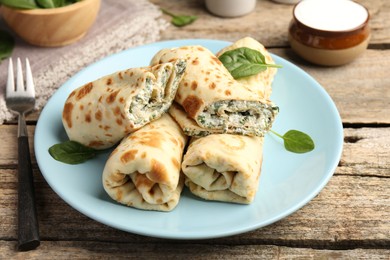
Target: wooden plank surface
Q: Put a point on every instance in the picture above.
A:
(348, 219)
(360, 90)
(268, 23)
(128, 250)
(365, 151)
(360, 218)
(357, 197)
(365, 80)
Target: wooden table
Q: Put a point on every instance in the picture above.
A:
(349, 219)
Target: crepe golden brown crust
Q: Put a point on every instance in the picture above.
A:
(213, 98)
(100, 113)
(223, 167)
(144, 170)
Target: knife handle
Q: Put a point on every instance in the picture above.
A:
(28, 231)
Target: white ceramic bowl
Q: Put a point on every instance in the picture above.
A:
(289, 2)
(230, 8)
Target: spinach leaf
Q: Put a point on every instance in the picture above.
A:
(22, 4)
(72, 152)
(55, 3)
(33, 4)
(7, 44)
(296, 141)
(49, 3)
(69, 2)
(244, 62)
(183, 20)
(180, 20)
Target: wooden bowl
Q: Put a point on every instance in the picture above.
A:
(52, 27)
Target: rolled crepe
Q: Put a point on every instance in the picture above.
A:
(213, 99)
(144, 170)
(100, 113)
(224, 167)
(261, 82)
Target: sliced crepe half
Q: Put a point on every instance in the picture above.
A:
(214, 99)
(100, 113)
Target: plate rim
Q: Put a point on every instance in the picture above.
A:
(161, 44)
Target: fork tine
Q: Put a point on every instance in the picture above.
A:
(10, 81)
(19, 77)
(29, 80)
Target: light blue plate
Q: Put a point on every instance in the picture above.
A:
(288, 181)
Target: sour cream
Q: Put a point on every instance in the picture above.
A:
(329, 32)
(331, 15)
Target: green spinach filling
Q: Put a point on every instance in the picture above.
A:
(239, 116)
(156, 95)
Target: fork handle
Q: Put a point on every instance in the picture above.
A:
(28, 231)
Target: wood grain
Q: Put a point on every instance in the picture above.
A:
(360, 89)
(356, 197)
(353, 222)
(9, 146)
(365, 151)
(348, 219)
(268, 23)
(127, 250)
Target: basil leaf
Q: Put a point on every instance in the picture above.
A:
(55, 3)
(244, 62)
(22, 4)
(180, 20)
(296, 141)
(72, 152)
(69, 2)
(7, 44)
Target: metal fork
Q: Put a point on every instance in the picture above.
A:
(21, 99)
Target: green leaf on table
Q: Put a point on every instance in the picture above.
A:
(180, 20)
(22, 4)
(7, 44)
(72, 152)
(183, 20)
(244, 62)
(296, 141)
